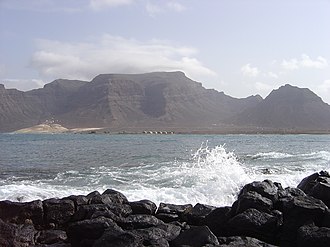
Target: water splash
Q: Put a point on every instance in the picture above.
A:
(212, 176)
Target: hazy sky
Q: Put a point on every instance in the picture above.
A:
(241, 47)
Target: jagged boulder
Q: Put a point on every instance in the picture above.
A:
(252, 199)
(143, 207)
(239, 241)
(195, 237)
(160, 234)
(265, 188)
(17, 235)
(198, 214)
(299, 211)
(254, 223)
(18, 212)
(171, 212)
(217, 221)
(58, 211)
(90, 230)
(318, 186)
(109, 210)
(51, 237)
(310, 235)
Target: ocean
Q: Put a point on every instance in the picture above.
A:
(177, 169)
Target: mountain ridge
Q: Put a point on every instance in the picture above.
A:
(159, 100)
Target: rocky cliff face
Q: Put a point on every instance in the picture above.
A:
(288, 107)
(110, 100)
(25, 109)
(157, 100)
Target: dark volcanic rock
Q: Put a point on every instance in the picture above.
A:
(291, 192)
(217, 221)
(162, 233)
(116, 197)
(13, 235)
(139, 222)
(256, 224)
(171, 212)
(265, 188)
(302, 207)
(318, 186)
(16, 212)
(51, 236)
(111, 238)
(143, 207)
(7, 233)
(252, 199)
(93, 210)
(90, 229)
(264, 211)
(167, 208)
(195, 236)
(197, 215)
(310, 235)
(78, 200)
(238, 241)
(299, 211)
(58, 211)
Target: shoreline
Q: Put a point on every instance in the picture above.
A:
(55, 128)
(264, 214)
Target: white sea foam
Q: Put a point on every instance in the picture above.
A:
(271, 155)
(325, 155)
(213, 176)
(33, 191)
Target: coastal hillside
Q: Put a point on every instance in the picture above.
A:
(117, 101)
(290, 108)
(159, 101)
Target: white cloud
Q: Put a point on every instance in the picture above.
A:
(110, 54)
(23, 84)
(176, 6)
(319, 63)
(247, 70)
(3, 69)
(291, 64)
(325, 86)
(99, 4)
(263, 87)
(153, 9)
(305, 62)
(42, 5)
(272, 75)
(323, 90)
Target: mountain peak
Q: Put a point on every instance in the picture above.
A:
(289, 107)
(159, 100)
(293, 94)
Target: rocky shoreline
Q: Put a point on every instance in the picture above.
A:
(264, 214)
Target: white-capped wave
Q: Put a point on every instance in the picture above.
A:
(213, 176)
(324, 155)
(24, 192)
(271, 155)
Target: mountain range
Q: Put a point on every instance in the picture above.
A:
(160, 101)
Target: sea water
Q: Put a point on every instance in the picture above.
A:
(178, 169)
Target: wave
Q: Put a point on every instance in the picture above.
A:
(270, 155)
(324, 155)
(212, 176)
